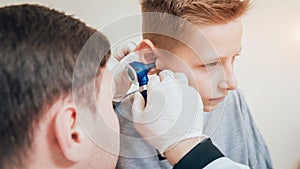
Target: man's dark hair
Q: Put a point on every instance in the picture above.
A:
(38, 51)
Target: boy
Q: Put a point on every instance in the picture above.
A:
(210, 72)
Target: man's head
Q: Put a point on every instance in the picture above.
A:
(210, 68)
(39, 121)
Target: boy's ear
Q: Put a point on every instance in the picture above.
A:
(68, 133)
(147, 50)
(145, 44)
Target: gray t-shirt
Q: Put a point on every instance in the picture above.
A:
(231, 128)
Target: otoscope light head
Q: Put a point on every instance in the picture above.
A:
(137, 72)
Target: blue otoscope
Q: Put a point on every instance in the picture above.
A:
(137, 72)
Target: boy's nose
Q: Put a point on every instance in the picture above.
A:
(229, 82)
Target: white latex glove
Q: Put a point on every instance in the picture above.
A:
(174, 111)
(123, 50)
(121, 81)
(121, 56)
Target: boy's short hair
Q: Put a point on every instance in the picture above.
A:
(39, 48)
(196, 12)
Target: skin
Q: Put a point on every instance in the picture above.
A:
(61, 141)
(211, 72)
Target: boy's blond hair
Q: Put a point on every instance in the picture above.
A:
(196, 12)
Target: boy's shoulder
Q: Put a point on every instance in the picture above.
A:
(236, 95)
(236, 101)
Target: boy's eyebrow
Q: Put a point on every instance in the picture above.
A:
(220, 57)
(236, 53)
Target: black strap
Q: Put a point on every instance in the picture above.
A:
(200, 156)
(159, 156)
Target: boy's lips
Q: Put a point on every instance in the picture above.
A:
(217, 100)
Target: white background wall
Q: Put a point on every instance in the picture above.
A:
(268, 69)
(269, 73)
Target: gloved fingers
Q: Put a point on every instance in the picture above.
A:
(153, 83)
(181, 79)
(198, 98)
(196, 128)
(129, 47)
(138, 105)
(166, 76)
(124, 49)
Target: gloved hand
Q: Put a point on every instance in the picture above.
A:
(123, 50)
(121, 56)
(174, 111)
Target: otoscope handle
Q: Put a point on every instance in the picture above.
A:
(144, 94)
(139, 71)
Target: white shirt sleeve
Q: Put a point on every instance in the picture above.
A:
(225, 163)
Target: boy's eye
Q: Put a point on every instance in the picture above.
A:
(210, 65)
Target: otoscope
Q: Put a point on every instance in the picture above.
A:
(137, 72)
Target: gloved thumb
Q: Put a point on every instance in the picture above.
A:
(138, 105)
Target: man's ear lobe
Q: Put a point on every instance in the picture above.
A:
(68, 133)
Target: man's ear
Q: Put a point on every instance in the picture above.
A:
(147, 51)
(68, 133)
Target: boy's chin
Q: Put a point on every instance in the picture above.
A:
(210, 108)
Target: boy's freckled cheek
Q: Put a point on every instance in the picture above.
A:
(207, 82)
(203, 83)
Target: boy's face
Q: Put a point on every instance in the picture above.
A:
(210, 72)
